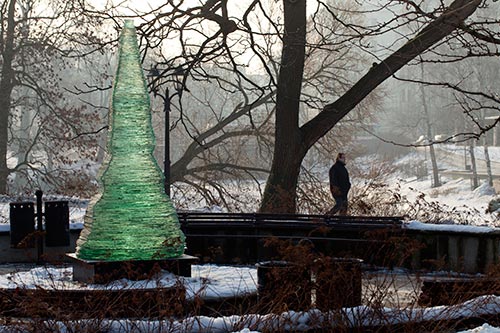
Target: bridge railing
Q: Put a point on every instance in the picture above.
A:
(286, 220)
(242, 237)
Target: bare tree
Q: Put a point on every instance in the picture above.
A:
(280, 191)
(213, 124)
(41, 126)
(213, 30)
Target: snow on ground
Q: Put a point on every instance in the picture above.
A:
(483, 329)
(455, 194)
(493, 152)
(417, 225)
(207, 281)
(452, 193)
(210, 281)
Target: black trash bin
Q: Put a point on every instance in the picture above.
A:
(283, 286)
(337, 282)
(57, 223)
(22, 224)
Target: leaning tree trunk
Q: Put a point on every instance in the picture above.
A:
(6, 86)
(281, 188)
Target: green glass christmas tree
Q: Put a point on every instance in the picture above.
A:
(132, 218)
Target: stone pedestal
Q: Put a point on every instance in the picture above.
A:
(98, 271)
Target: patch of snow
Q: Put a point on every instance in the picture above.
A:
(484, 190)
(485, 328)
(207, 281)
(209, 209)
(417, 225)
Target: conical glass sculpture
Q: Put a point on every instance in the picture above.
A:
(132, 218)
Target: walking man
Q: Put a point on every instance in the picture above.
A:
(339, 185)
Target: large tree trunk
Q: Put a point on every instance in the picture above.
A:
(298, 143)
(6, 86)
(280, 193)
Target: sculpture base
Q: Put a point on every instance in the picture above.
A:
(101, 272)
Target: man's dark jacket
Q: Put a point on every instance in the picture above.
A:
(339, 177)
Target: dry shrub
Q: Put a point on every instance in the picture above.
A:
(309, 280)
(379, 199)
(85, 309)
(303, 279)
(332, 289)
